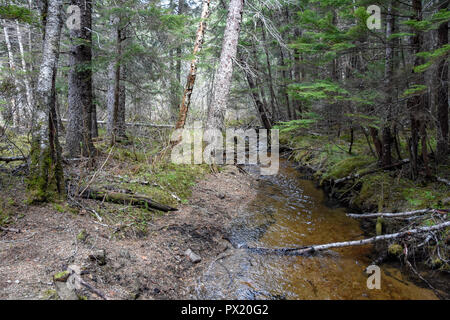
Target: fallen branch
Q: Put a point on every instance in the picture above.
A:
(311, 249)
(137, 124)
(96, 172)
(447, 182)
(13, 159)
(395, 215)
(359, 175)
(124, 198)
(10, 230)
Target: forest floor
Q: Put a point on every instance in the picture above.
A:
(150, 266)
(144, 249)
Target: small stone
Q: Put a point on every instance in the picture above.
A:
(17, 282)
(8, 281)
(99, 256)
(192, 256)
(220, 196)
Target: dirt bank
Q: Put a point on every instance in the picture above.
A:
(153, 266)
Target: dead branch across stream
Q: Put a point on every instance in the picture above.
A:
(125, 198)
(321, 247)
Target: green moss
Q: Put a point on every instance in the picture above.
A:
(61, 276)
(58, 207)
(43, 177)
(82, 236)
(379, 226)
(50, 294)
(348, 166)
(395, 250)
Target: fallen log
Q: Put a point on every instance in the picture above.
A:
(447, 182)
(359, 175)
(314, 248)
(124, 198)
(13, 159)
(394, 215)
(136, 124)
(10, 230)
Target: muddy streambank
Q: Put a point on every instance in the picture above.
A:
(151, 266)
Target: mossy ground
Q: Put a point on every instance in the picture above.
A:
(141, 164)
(384, 190)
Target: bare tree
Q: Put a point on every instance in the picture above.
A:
(186, 100)
(222, 80)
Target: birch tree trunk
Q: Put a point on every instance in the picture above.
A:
(26, 80)
(222, 80)
(17, 101)
(46, 175)
(186, 100)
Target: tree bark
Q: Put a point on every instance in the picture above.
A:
(114, 80)
(79, 127)
(416, 103)
(386, 156)
(26, 79)
(17, 101)
(186, 100)
(222, 80)
(46, 174)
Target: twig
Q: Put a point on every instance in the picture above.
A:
(95, 174)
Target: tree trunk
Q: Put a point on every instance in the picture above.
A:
(416, 103)
(46, 174)
(26, 80)
(114, 81)
(79, 127)
(386, 156)
(179, 48)
(186, 100)
(442, 94)
(273, 103)
(222, 80)
(259, 105)
(17, 102)
(284, 87)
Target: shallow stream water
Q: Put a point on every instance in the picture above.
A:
(290, 212)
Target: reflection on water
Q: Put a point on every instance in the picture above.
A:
(290, 212)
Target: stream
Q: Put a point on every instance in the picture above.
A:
(290, 211)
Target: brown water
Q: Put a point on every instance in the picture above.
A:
(290, 212)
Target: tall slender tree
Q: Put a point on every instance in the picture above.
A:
(222, 80)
